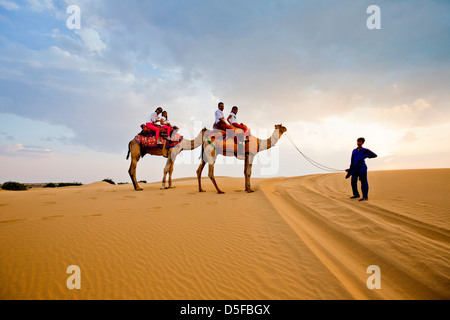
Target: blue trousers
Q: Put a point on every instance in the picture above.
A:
(362, 176)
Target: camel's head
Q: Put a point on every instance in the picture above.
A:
(204, 130)
(280, 128)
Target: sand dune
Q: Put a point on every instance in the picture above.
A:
(294, 238)
(404, 230)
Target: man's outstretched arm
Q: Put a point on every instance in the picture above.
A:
(371, 154)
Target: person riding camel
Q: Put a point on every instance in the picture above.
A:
(221, 124)
(153, 123)
(232, 120)
(165, 124)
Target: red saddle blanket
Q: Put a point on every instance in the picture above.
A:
(150, 142)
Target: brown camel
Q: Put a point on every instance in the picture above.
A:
(214, 145)
(137, 152)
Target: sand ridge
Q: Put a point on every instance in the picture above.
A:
(294, 238)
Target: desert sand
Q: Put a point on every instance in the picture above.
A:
(294, 238)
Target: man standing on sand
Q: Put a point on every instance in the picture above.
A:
(358, 170)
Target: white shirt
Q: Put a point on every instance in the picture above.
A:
(163, 120)
(219, 115)
(154, 117)
(233, 118)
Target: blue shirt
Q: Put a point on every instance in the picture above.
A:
(358, 165)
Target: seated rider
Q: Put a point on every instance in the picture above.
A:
(222, 124)
(153, 123)
(165, 123)
(233, 121)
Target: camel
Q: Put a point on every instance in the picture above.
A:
(215, 145)
(137, 152)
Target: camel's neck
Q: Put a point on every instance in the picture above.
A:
(192, 144)
(270, 142)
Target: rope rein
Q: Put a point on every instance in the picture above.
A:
(314, 163)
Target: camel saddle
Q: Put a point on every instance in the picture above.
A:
(147, 139)
(146, 132)
(239, 150)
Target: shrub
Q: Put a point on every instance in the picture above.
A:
(109, 181)
(14, 186)
(50, 185)
(64, 184)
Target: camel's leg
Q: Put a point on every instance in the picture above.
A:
(166, 171)
(170, 175)
(135, 156)
(199, 175)
(247, 174)
(211, 176)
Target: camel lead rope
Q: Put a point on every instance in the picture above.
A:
(314, 163)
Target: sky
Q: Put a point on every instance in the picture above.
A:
(72, 99)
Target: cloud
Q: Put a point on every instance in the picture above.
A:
(14, 150)
(91, 38)
(32, 149)
(7, 136)
(5, 103)
(300, 60)
(40, 5)
(6, 21)
(409, 137)
(419, 113)
(280, 62)
(9, 5)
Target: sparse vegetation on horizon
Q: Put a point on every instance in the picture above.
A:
(50, 185)
(109, 181)
(62, 184)
(14, 186)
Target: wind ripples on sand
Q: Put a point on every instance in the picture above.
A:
(297, 238)
(349, 236)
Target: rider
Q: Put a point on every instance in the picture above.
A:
(220, 122)
(154, 121)
(166, 124)
(233, 121)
